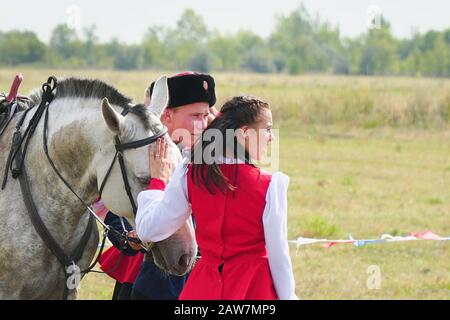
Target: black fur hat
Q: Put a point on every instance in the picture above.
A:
(189, 87)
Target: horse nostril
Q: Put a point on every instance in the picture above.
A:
(184, 261)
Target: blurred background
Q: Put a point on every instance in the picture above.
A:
(294, 37)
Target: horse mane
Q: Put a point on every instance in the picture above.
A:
(92, 89)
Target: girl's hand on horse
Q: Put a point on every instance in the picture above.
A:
(160, 166)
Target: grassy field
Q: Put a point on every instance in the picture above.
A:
(366, 156)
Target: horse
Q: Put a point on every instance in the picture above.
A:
(84, 117)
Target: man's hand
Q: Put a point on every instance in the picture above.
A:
(134, 246)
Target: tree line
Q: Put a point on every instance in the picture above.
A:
(299, 43)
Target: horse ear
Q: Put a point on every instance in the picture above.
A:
(160, 96)
(114, 120)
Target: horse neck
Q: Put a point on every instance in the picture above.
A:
(75, 136)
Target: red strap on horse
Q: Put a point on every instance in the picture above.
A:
(14, 88)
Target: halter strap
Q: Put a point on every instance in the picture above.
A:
(139, 143)
(120, 147)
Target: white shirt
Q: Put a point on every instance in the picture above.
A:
(162, 213)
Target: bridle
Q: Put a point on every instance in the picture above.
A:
(17, 156)
(120, 148)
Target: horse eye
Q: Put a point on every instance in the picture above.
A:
(143, 180)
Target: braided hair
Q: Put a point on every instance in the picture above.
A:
(235, 113)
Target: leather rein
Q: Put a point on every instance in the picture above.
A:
(17, 157)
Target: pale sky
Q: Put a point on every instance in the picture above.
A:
(128, 20)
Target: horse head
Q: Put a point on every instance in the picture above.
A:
(177, 253)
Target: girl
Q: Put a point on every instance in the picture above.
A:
(239, 210)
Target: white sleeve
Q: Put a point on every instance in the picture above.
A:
(275, 233)
(161, 213)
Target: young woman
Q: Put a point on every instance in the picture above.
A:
(240, 211)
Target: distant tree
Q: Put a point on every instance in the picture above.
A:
(248, 40)
(290, 39)
(128, 57)
(257, 60)
(428, 40)
(155, 53)
(18, 47)
(201, 61)
(353, 48)
(192, 28)
(91, 51)
(184, 40)
(436, 60)
(224, 51)
(379, 51)
(65, 43)
(447, 36)
(307, 44)
(299, 43)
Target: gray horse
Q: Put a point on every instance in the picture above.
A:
(81, 130)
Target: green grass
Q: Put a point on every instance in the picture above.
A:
(366, 186)
(366, 156)
(95, 286)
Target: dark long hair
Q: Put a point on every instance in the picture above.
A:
(238, 112)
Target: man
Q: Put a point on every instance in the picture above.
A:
(190, 109)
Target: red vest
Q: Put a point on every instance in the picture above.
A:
(120, 267)
(229, 231)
